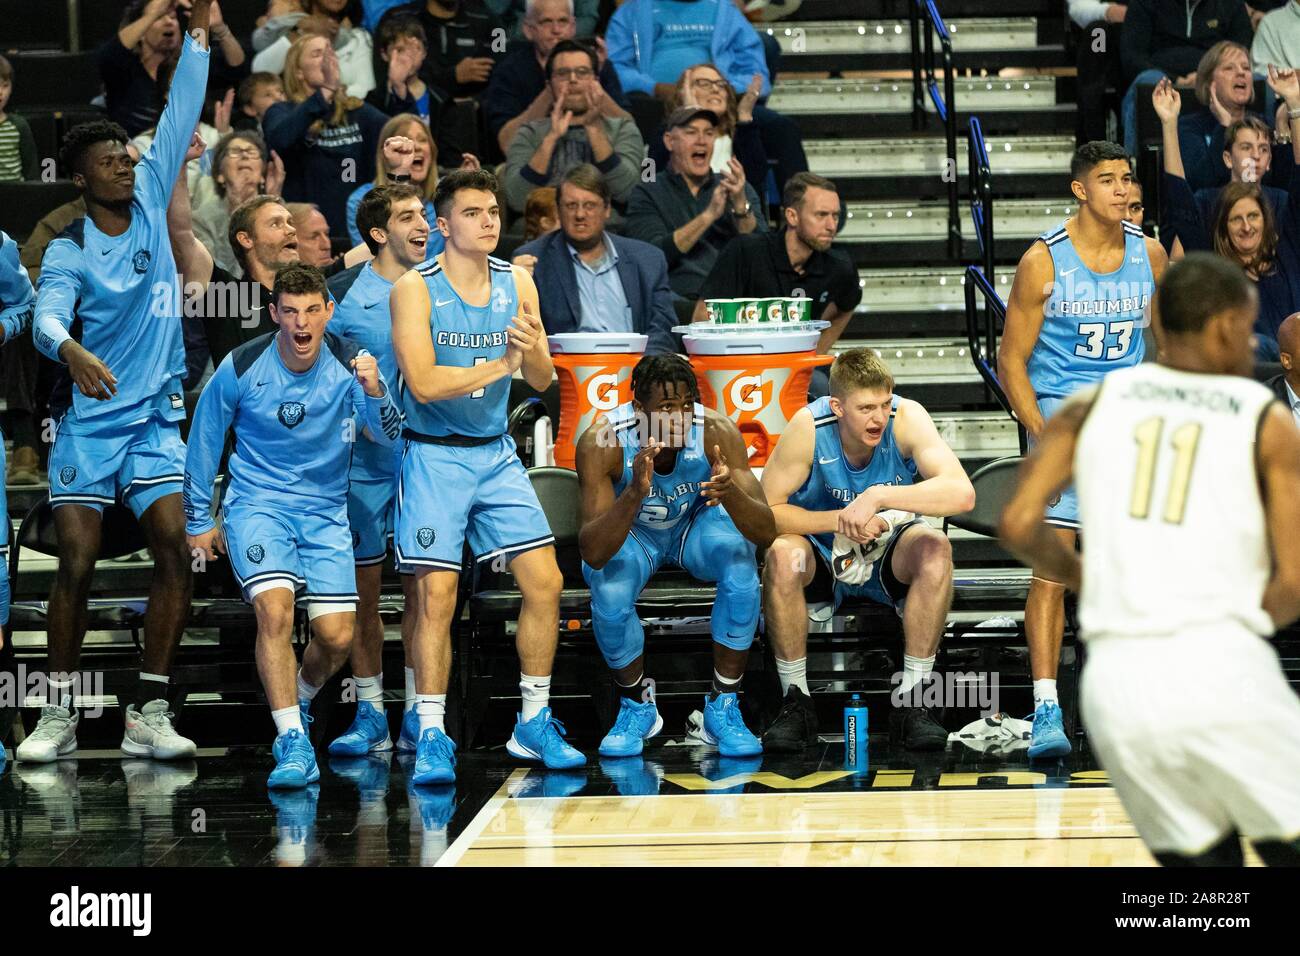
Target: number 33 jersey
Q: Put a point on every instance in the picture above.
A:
(1174, 530)
(1092, 322)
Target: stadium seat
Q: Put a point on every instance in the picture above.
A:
(26, 29)
(50, 78)
(994, 485)
(26, 204)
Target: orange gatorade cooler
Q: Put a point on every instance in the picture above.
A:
(757, 377)
(595, 373)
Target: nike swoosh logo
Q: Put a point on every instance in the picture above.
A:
(440, 303)
(104, 252)
(371, 305)
(1066, 272)
(259, 384)
(826, 461)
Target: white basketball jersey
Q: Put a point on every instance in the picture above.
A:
(1174, 533)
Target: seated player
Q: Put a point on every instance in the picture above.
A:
(666, 481)
(857, 468)
(295, 409)
(463, 323)
(391, 221)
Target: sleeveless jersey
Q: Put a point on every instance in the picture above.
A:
(464, 336)
(1173, 526)
(1092, 322)
(674, 498)
(832, 484)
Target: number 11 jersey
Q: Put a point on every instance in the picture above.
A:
(1092, 322)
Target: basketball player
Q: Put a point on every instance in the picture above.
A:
(106, 308)
(1076, 312)
(296, 409)
(665, 480)
(861, 464)
(392, 224)
(462, 325)
(1186, 473)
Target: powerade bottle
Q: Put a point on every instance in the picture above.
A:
(855, 734)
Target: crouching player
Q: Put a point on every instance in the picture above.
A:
(666, 481)
(295, 409)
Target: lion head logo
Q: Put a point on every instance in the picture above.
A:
(425, 536)
(256, 553)
(291, 414)
(140, 261)
(67, 475)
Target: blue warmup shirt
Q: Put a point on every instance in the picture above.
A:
(363, 317)
(16, 295)
(832, 484)
(683, 36)
(465, 336)
(1092, 323)
(675, 497)
(293, 439)
(119, 296)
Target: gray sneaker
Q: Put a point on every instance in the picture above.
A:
(55, 736)
(149, 733)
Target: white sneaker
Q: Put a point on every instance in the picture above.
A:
(149, 733)
(55, 736)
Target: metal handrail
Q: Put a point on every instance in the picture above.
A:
(926, 24)
(979, 179)
(983, 341)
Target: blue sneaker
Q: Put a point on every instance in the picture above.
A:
(295, 763)
(367, 735)
(633, 777)
(635, 724)
(409, 738)
(1048, 736)
(542, 738)
(435, 759)
(725, 727)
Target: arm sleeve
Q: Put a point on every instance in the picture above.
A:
(57, 291)
(16, 294)
(662, 314)
(162, 163)
(644, 222)
(378, 416)
(286, 124)
(620, 40)
(746, 49)
(203, 448)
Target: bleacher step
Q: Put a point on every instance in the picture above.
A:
(906, 222)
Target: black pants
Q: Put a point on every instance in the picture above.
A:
(1099, 70)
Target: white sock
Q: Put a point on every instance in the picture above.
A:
(371, 689)
(793, 674)
(61, 693)
(306, 691)
(286, 719)
(915, 671)
(409, 701)
(432, 709)
(536, 692)
(1044, 690)
(725, 685)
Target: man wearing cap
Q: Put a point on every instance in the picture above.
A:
(689, 211)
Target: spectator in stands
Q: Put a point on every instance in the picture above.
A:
(518, 92)
(1287, 385)
(1277, 39)
(241, 169)
(256, 94)
(417, 165)
(351, 44)
(738, 135)
(689, 211)
(18, 159)
(1097, 40)
(578, 131)
(585, 14)
(651, 57)
(541, 215)
(326, 137)
(313, 231)
(1136, 208)
(1168, 38)
(1244, 229)
(462, 44)
(617, 284)
(798, 261)
(402, 47)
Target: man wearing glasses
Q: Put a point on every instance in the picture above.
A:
(576, 132)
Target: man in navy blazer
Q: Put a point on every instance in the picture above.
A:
(589, 280)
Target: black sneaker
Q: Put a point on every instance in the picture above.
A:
(915, 728)
(795, 726)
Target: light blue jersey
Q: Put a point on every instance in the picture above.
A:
(465, 336)
(364, 318)
(674, 498)
(16, 294)
(832, 484)
(294, 431)
(119, 296)
(1092, 323)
